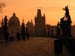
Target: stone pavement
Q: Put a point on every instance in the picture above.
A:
(33, 47)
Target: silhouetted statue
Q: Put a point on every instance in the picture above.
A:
(66, 23)
(23, 30)
(58, 31)
(58, 41)
(5, 30)
(63, 27)
(27, 33)
(66, 30)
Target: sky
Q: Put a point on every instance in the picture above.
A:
(27, 9)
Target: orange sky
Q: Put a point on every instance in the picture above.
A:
(26, 9)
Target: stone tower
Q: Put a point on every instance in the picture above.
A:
(39, 24)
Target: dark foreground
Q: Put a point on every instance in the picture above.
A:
(33, 47)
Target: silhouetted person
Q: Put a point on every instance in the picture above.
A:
(5, 30)
(52, 33)
(27, 33)
(23, 30)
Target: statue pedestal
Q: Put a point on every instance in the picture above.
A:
(58, 47)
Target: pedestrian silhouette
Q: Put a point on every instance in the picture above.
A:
(23, 30)
(5, 30)
(48, 32)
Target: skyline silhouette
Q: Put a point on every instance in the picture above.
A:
(26, 9)
(32, 20)
(11, 30)
(34, 28)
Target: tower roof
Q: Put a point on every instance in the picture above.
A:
(39, 12)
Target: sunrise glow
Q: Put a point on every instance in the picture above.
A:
(26, 9)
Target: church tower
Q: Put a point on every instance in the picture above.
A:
(39, 24)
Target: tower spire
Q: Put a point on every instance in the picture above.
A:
(38, 12)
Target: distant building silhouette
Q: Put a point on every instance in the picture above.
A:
(39, 24)
(30, 27)
(13, 25)
(39, 29)
(48, 30)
